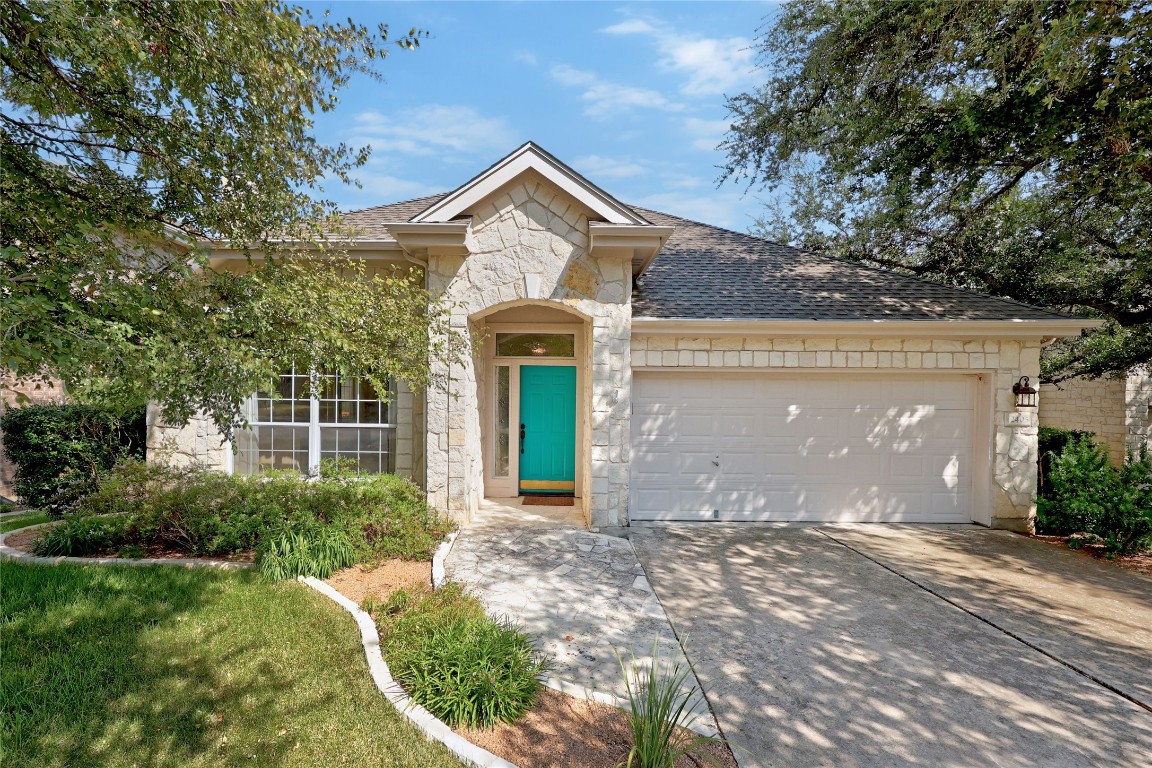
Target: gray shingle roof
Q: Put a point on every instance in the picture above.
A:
(705, 272)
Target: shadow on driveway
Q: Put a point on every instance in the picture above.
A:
(813, 654)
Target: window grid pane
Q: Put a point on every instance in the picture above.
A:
(280, 419)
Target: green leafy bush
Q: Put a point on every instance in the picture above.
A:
(1051, 443)
(61, 451)
(81, 535)
(294, 524)
(1090, 495)
(463, 666)
(659, 695)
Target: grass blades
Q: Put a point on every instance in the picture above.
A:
(121, 666)
(659, 695)
(12, 522)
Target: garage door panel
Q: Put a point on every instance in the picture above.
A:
(832, 447)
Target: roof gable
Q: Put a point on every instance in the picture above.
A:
(528, 157)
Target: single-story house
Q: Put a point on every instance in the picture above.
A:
(659, 368)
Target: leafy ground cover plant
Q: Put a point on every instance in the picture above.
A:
(299, 525)
(463, 666)
(81, 535)
(1092, 496)
(660, 694)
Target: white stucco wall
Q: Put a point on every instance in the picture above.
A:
(529, 242)
(1014, 451)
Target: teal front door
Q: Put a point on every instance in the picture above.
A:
(547, 428)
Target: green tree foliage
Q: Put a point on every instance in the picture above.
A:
(131, 132)
(1000, 145)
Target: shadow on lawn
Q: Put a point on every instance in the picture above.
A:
(137, 666)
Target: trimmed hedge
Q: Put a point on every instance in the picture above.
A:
(61, 451)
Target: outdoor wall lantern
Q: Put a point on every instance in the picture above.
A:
(1025, 394)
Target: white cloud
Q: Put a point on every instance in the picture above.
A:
(631, 27)
(431, 129)
(706, 133)
(605, 98)
(713, 66)
(596, 166)
(526, 57)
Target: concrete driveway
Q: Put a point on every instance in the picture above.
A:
(909, 645)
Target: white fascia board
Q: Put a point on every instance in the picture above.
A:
(528, 157)
(635, 235)
(968, 329)
(367, 250)
(442, 237)
(644, 240)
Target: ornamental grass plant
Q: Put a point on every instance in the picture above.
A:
(660, 695)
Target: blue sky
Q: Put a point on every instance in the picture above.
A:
(629, 94)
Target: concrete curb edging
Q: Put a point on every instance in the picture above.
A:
(434, 729)
(11, 553)
(442, 551)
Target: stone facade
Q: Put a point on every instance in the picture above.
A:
(1013, 464)
(529, 244)
(195, 444)
(1115, 410)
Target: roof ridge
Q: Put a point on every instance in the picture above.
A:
(390, 205)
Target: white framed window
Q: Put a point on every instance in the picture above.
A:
(291, 430)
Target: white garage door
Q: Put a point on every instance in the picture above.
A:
(841, 447)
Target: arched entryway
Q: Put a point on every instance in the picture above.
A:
(533, 385)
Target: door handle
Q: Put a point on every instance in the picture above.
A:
(522, 433)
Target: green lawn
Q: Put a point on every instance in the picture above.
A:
(21, 520)
(161, 666)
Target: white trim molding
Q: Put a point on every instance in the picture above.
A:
(939, 329)
(529, 157)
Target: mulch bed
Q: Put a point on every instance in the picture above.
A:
(1140, 562)
(562, 731)
(359, 583)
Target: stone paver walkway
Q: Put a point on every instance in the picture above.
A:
(580, 594)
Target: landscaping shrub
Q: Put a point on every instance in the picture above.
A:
(81, 535)
(463, 666)
(1090, 495)
(295, 525)
(61, 451)
(659, 695)
(1051, 442)
(317, 552)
